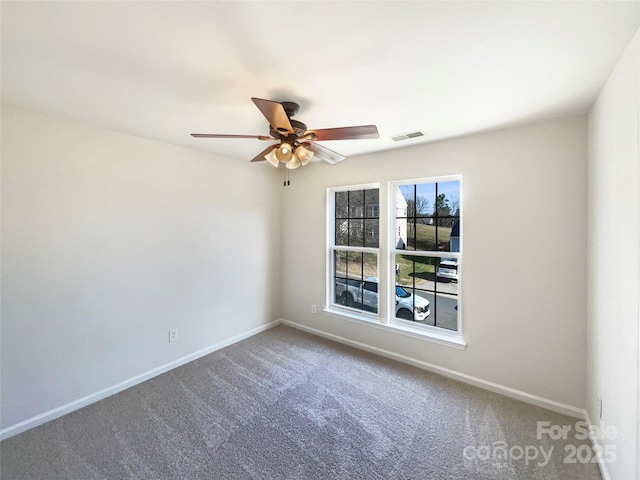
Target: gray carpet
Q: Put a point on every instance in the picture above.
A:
(287, 405)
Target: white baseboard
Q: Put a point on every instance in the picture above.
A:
(107, 392)
(478, 382)
(462, 377)
(604, 471)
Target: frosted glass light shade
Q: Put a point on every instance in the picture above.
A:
(284, 152)
(293, 163)
(302, 154)
(271, 158)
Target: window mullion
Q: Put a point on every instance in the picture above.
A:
(435, 215)
(356, 249)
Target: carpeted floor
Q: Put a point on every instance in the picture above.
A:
(287, 405)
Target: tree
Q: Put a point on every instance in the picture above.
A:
(418, 208)
(443, 209)
(455, 206)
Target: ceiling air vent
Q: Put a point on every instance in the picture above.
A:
(407, 136)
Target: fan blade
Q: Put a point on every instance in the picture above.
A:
(266, 151)
(344, 133)
(323, 153)
(221, 135)
(275, 114)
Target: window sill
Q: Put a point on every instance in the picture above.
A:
(453, 340)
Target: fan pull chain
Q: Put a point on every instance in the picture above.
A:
(286, 181)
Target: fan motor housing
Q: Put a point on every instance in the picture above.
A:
(298, 130)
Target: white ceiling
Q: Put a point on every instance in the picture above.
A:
(162, 70)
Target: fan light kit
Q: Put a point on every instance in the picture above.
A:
(297, 144)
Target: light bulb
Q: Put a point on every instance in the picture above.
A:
(284, 152)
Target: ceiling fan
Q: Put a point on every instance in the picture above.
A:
(297, 144)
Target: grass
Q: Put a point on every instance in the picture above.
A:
(367, 266)
(426, 237)
(425, 267)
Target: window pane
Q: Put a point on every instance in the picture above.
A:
(372, 202)
(447, 294)
(444, 234)
(404, 270)
(413, 304)
(370, 266)
(416, 272)
(342, 204)
(340, 275)
(356, 233)
(425, 232)
(371, 233)
(355, 265)
(419, 302)
(425, 199)
(348, 292)
(371, 286)
(405, 196)
(404, 303)
(356, 204)
(448, 200)
(370, 277)
(340, 264)
(447, 312)
(356, 282)
(400, 228)
(410, 233)
(432, 211)
(342, 232)
(429, 286)
(454, 240)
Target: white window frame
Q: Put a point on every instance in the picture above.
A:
(386, 251)
(451, 337)
(330, 305)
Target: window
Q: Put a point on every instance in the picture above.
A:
(423, 251)
(354, 244)
(427, 224)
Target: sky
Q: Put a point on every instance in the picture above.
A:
(428, 190)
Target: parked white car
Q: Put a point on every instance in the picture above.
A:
(364, 295)
(448, 269)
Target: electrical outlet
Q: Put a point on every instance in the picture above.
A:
(173, 335)
(313, 309)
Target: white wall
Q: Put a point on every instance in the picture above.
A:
(109, 241)
(613, 244)
(524, 220)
